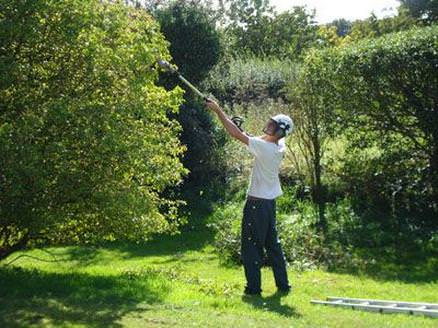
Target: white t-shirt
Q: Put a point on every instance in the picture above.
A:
(265, 182)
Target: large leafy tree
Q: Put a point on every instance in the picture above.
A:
(253, 27)
(423, 10)
(246, 25)
(343, 26)
(194, 42)
(387, 89)
(86, 145)
(373, 27)
(313, 112)
(292, 33)
(382, 94)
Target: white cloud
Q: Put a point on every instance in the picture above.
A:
(328, 10)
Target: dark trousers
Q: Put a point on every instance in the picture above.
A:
(258, 233)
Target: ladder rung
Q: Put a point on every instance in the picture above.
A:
(430, 306)
(382, 306)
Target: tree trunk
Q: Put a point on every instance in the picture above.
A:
(318, 192)
(7, 250)
(434, 176)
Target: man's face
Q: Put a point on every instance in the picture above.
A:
(270, 127)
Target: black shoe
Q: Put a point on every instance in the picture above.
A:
(284, 291)
(249, 292)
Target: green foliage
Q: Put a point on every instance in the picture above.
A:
(86, 147)
(353, 242)
(304, 247)
(422, 10)
(194, 42)
(373, 27)
(195, 48)
(355, 120)
(291, 34)
(251, 80)
(379, 94)
(254, 28)
(343, 26)
(311, 99)
(205, 156)
(176, 274)
(225, 221)
(245, 15)
(389, 86)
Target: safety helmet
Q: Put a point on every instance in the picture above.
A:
(284, 123)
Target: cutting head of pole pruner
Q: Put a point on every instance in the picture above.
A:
(170, 68)
(167, 66)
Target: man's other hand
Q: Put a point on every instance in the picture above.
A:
(211, 104)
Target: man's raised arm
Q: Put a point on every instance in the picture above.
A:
(228, 124)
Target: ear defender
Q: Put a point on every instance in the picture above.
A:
(282, 127)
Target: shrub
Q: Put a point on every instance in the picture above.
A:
(380, 95)
(244, 80)
(86, 147)
(225, 221)
(195, 48)
(194, 42)
(303, 246)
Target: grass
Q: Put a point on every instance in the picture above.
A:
(179, 281)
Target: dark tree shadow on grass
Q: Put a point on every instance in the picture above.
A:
(271, 303)
(33, 297)
(193, 236)
(395, 264)
(163, 245)
(189, 240)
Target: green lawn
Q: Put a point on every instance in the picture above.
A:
(178, 281)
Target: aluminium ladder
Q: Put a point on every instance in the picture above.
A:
(427, 309)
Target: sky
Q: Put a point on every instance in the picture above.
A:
(328, 10)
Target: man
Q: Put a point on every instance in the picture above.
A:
(259, 224)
